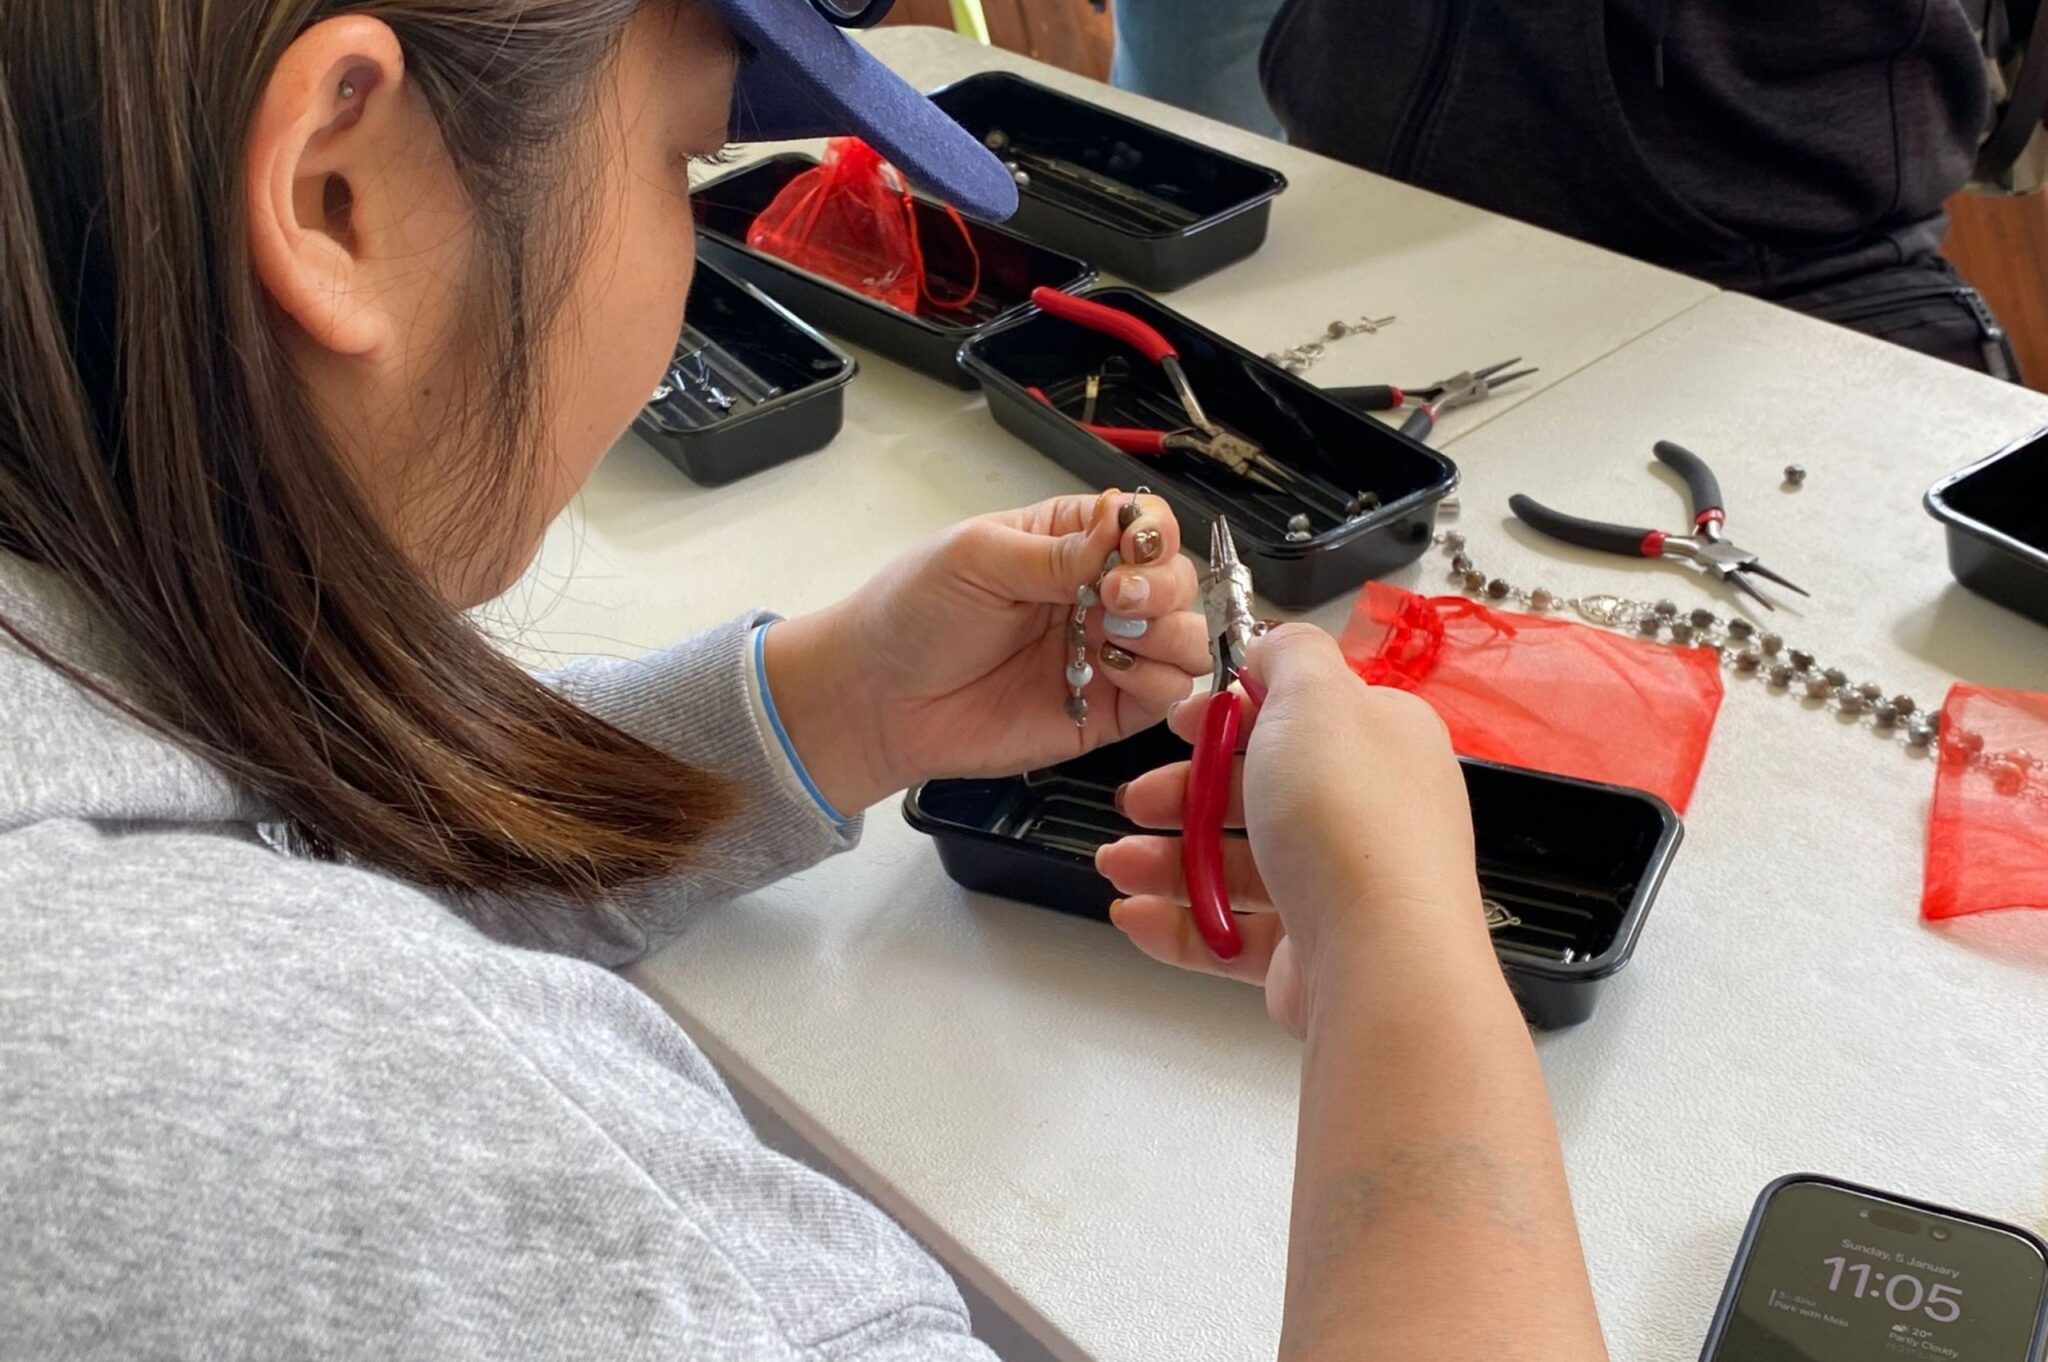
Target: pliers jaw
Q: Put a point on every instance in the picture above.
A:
(1227, 605)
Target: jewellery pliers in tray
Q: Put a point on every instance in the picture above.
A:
(1227, 606)
(1459, 390)
(1201, 436)
(1732, 564)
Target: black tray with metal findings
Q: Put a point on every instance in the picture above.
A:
(1369, 493)
(1573, 866)
(750, 386)
(928, 340)
(1996, 514)
(1158, 209)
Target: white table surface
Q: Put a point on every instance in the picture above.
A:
(1104, 1146)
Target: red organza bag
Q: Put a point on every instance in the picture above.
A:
(851, 218)
(1987, 841)
(1544, 692)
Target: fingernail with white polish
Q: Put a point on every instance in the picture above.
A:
(1132, 591)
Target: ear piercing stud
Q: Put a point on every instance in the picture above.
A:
(347, 91)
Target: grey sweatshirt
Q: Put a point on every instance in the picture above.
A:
(252, 1106)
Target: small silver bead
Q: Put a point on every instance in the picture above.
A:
(1079, 674)
(1087, 597)
(1077, 708)
(1297, 522)
(1795, 475)
(1886, 713)
(1835, 676)
(1817, 687)
(348, 90)
(1021, 176)
(1299, 536)
(1870, 690)
(1851, 702)
(1541, 599)
(1118, 626)
(1920, 733)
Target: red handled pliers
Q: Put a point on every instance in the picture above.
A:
(1459, 390)
(1227, 605)
(1202, 436)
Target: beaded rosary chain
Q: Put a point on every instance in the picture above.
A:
(1745, 650)
(1301, 358)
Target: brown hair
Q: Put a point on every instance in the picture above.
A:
(157, 452)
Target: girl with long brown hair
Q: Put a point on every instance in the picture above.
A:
(313, 315)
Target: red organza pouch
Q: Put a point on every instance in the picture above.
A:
(851, 219)
(1987, 842)
(1544, 692)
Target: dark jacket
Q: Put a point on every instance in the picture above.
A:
(1764, 145)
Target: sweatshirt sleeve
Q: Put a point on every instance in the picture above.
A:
(706, 701)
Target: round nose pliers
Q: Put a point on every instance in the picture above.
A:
(1704, 546)
(1227, 606)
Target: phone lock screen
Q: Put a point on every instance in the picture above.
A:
(1835, 1275)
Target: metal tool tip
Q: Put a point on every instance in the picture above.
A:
(1222, 547)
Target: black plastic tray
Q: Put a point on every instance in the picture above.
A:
(928, 341)
(1996, 512)
(806, 374)
(1160, 210)
(1294, 421)
(1578, 863)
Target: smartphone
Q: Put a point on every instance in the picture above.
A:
(1832, 1272)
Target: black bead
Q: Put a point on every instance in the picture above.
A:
(1801, 659)
(1740, 629)
(1704, 619)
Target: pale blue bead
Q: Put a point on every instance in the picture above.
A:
(1114, 560)
(1079, 674)
(1087, 597)
(1119, 627)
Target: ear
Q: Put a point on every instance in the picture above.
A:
(330, 122)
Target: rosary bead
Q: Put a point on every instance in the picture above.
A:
(2007, 776)
(1802, 659)
(1079, 674)
(1498, 589)
(1795, 475)
(1870, 690)
(1919, 733)
(1772, 645)
(1747, 661)
(1077, 708)
(1475, 580)
(1851, 702)
(1835, 676)
(1337, 331)
(1454, 540)
(1740, 629)
(1649, 625)
(1665, 608)
(1298, 521)
(2022, 758)
(1817, 688)
(1969, 744)
(1295, 366)
(1904, 704)
(1886, 713)
(1704, 619)
(1781, 675)
(1681, 633)
(1541, 599)
(1461, 564)
(1114, 560)
(1087, 597)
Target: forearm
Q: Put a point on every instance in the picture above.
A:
(1431, 1214)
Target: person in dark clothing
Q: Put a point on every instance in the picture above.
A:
(1799, 154)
